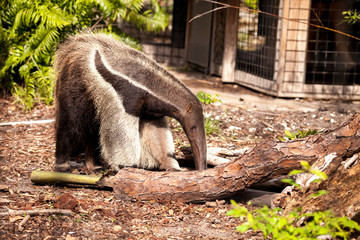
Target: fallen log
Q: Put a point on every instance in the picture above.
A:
(336, 152)
(266, 161)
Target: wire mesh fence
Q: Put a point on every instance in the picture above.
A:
(332, 58)
(257, 36)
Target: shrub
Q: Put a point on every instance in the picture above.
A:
(212, 126)
(207, 99)
(299, 134)
(30, 31)
(295, 224)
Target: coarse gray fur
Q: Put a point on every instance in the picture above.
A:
(107, 87)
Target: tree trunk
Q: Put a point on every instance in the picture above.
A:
(266, 161)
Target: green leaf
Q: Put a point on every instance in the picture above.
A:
(305, 165)
(317, 180)
(350, 224)
(273, 220)
(289, 134)
(232, 212)
(300, 133)
(251, 221)
(291, 182)
(263, 228)
(243, 227)
(282, 222)
(234, 203)
(212, 126)
(207, 98)
(318, 193)
(295, 172)
(238, 210)
(319, 173)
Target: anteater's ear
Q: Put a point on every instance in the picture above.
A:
(189, 108)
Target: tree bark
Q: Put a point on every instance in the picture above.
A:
(343, 195)
(342, 185)
(266, 161)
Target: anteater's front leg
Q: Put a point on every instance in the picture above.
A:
(157, 145)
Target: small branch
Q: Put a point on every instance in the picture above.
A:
(267, 124)
(27, 122)
(26, 218)
(225, 5)
(213, 10)
(47, 177)
(36, 212)
(93, 26)
(349, 162)
(216, 161)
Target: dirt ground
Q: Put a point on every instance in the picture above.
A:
(242, 119)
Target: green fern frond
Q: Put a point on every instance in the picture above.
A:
(25, 71)
(11, 9)
(13, 60)
(150, 17)
(128, 6)
(105, 6)
(44, 80)
(22, 97)
(4, 45)
(149, 21)
(38, 85)
(48, 16)
(54, 17)
(30, 30)
(22, 19)
(123, 38)
(43, 42)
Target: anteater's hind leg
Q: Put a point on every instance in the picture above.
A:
(92, 156)
(157, 146)
(63, 147)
